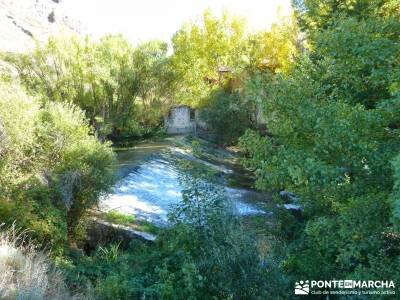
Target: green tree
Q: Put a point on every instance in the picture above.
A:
(123, 90)
(320, 15)
(333, 134)
(213, 44)
(201, 49)
(228, 115)
(157, 81)
(276, 49)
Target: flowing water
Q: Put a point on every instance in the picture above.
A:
(150, 182)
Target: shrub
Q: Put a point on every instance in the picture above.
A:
(204, 254)
(52, 168)
(209, 253)
(228, 115)
(333, 133)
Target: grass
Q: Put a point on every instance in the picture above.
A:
(149, 227)
(26, 272)
(118, 218)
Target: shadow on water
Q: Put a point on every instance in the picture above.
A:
(149, 181)
(129, 159)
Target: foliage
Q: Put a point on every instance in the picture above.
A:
(276, 49)
(204, 254)
(157, 81)
(228, 115)
(360, 59)
(395, 199)
(333, 133)
(320, 15)
(113, 82)
(52, 168)
(201, 49)
(204, 48)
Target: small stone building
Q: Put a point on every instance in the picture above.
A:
(181, 119)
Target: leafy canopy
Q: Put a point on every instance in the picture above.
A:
(333, 133)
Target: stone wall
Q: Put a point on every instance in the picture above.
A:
(178, 121)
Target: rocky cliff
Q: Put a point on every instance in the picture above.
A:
(23, 21)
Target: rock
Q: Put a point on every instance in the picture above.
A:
(293, 204)
(51, 17)
(289, 196)
(101, 232)
(23, 21)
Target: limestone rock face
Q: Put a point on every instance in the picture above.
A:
(23, 21)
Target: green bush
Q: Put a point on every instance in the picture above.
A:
(333, 135)
(228, 115)
(53, 167)
(204, 254)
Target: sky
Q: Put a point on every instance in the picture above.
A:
(141, 20)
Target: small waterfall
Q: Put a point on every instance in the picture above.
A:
(150, 189)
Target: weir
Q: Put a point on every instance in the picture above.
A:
(150, 184)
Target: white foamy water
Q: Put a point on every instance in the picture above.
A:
(150, 190)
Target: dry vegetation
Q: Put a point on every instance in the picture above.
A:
(27, 273)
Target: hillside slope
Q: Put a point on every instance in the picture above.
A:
(22, 21)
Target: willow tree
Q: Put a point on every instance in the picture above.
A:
(105, 78)
(94, 76)
(157, 81)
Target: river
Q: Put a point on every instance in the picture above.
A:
(150, 182)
